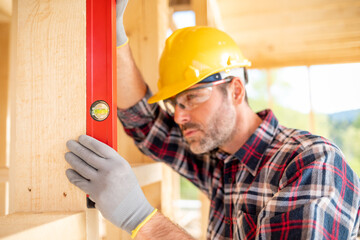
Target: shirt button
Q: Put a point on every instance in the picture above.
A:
(230, 180)
(228, 221)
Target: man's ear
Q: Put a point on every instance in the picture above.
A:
(238, 90)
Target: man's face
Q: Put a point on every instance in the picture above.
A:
(208, 126)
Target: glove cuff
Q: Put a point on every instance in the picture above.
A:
(121, 38)
(132, 211)
(137, 229)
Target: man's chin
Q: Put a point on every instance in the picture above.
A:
(197, 148)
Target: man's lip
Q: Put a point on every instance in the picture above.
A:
(190, 132)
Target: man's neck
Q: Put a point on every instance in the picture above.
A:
(247, 123)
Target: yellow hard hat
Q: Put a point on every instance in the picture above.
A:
(192, 54)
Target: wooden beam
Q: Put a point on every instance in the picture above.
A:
(170, 191)
(182, 7)
(92, 224)
(55, 226)
(4, 83)
(214, 15)
(4, 18)
(148, 173)
(4, 174)
(205, 207)
(290, 33)
(48, 103)
(6, 7)
(207, 13)
(200, 7)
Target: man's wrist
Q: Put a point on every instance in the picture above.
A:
(160, 227)
(137, 229)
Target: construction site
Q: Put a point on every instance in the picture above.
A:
(58, 58)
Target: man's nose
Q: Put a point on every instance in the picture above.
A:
(181, 116)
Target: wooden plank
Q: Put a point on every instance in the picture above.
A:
(4, 198)
(182, 7)
(92, 224)
(200, 7)
(286, 33)
(44, 226)
(170, 191)
(4, 76)
(214, 15)
(4, 174)
(6, 7)
(48, 104)
(147, 174)
(207, 13)
(4, 18)
(205, 207)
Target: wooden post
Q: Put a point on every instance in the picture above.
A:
(200, 7)
(47, 98)
(207, 13)
(4, 75)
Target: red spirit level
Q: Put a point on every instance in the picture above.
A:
(101, 72)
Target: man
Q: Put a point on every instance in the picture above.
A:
(264, 181)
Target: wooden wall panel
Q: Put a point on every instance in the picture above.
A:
(48, 103)
(284, 33)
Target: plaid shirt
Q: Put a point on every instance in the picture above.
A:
(281, 184)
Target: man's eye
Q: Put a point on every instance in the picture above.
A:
(190, 97)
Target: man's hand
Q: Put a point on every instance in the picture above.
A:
(102, 173)
(121, 37)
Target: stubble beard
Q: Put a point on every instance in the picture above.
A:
(220, 130)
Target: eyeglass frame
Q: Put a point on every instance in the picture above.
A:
(227, 79)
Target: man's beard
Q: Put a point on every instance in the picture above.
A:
(220, 129)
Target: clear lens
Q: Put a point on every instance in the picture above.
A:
(192, 98)
(169, 105)
(188, 100)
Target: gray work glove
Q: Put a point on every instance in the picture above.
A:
(121, 37)
(102, 173)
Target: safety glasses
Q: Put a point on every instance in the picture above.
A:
(193, 97)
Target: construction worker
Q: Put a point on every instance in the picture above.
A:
(265, 181)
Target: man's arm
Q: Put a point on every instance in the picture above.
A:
(159, 227)
(130, 84)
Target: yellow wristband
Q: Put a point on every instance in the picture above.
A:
(127, 40)
(137, 229)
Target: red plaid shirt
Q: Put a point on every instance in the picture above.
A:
(281, 184)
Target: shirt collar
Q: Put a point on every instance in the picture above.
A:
(250, 154)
